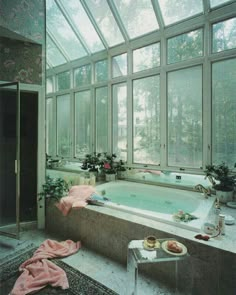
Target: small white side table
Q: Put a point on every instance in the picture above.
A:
(138, 255)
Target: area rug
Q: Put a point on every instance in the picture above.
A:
(80, 284)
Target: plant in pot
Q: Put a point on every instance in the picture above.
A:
(54, 188)
(92, 163)
(121, 169)
(222, 181)
(108, 166)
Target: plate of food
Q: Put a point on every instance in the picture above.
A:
(174, 248)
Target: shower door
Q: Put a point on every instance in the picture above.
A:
(9, 159)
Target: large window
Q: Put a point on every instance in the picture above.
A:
(185, 118)
(146, 120)
(224, 111)
(101, 119)
(50, 131)
(82, 123)
(63, 126)
(119, 134)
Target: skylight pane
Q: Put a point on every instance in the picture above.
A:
(53, 54)
(214, 3)
(106, 22)
(138, 16)
(146, 57)
(224, 36)
(174, 11)
(83, 25)
(62, 31)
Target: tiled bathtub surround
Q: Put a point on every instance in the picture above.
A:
(211, 269)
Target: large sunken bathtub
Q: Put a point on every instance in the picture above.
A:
(135, 210)
(156, 203)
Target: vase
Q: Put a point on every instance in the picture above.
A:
(110, 177)
(224, 196)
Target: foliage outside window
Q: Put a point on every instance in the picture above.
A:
(224, 35)
(63, 126)
(146, 120)
(82, 123)
(147, 57)
(185, 118)
(82, 76)
(63, 81)
(119, 65)
(101, 119)
(185, 46)
(101, 71)
(224, 111)
(119, 134)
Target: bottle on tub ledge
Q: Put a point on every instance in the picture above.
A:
(222, 223)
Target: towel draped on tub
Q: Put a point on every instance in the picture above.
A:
(77, 197)
(38, 271)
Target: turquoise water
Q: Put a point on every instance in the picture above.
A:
(148, 197)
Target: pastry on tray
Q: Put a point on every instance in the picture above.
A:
(174, 246)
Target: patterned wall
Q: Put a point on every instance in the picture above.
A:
(20, 61)
(25, 17)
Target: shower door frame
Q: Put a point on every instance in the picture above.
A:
(17, 159)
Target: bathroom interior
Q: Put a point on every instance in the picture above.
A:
(149, 84)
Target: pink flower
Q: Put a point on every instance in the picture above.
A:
(107, 166)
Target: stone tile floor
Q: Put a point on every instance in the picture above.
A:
(106, 271)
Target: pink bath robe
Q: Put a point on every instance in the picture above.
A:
(76, 198)
(38, 271)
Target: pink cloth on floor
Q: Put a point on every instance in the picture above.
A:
(77, 198)
(38, 271)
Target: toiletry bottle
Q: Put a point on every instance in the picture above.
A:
(222, 224)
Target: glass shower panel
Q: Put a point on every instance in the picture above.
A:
(9, 160)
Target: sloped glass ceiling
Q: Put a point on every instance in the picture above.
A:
(79, 28)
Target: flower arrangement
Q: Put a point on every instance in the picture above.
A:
(109, 166)
(92, 162)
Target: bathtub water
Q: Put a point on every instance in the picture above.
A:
(156, 203)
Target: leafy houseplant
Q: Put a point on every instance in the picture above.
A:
(109, 163)
(92, 162)
(222, 180)
(54, 188)
(120, 168)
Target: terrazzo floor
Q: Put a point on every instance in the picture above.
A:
(104, 270)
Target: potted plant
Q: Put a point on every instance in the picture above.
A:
(92, 162)
(222, 181)
(54, 188)
(121, 169)
(108, 166)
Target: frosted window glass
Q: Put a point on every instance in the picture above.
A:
(101, 119)
(119, 65)
(146, 57)
(105, 21)
(138, 16)
(224, 112)
(82, 75)
(101, 71)
(82, 123)
(146, 120)
(185, 46)
(185, 118)
(119, 93)
(174, 11)
(224, 35)
(63, 126)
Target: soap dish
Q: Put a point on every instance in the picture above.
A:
(229, 219)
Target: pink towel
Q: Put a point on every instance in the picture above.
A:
(38, 271)
(77, 198)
